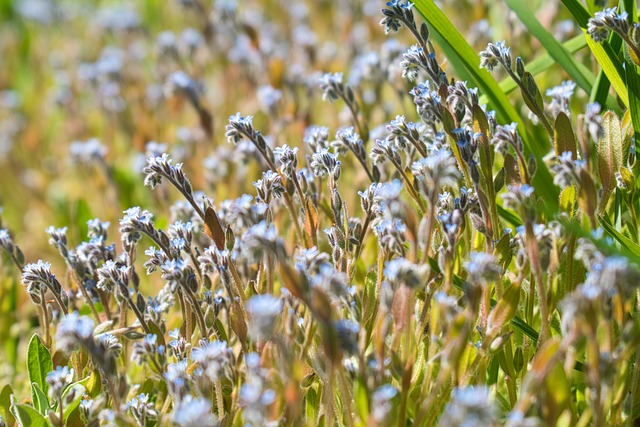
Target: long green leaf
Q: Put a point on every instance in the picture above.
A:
(5, 404)
(26, 416)
(543, 182)
(633, 82)
(39, 399)
(39, 363)
(611, 155)
(509, 216)
(551, 44)
(604, 53)
(626, 242)
(601, 86)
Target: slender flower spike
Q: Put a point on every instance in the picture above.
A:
(507, 136)
(74, 331)
(331, 86)
(193, 412)
(87, 152)
(521, 198)
(112, 277)
(469, 406)
(401, 271)
(240, 127)
(38, 277)
(180, 82)
(483, 268)
(593, 121)
(6, 242)
(436, 171)
(347, 332)
(567, 170)
(58, 238)
(496, 54)
(348, 138)
(269, 185)
(179, 273)
(397, 13)
(215, 360)
(142, 409)
(317, 137)
(560, 97)
(58, 380)
(263, 311)
(159, 167)
(262, 238)
(97, 229)
(413, 59)
(605, 21)
(288, 159)
(323, 162)
(137, 221)
(428, 103)
(147, 349)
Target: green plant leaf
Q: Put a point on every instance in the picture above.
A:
(39, 363)
(509, 216)
(39, 399)
(604, 53)
(77, 390)
(5, 405)
(558, 395)
(504, 310)
(26, 416)
(600, 91)
(362, 403)
(633, 82)
(564, 139)
(312, 403)
(626, 242)
(551, 44)
(610, 155)
(94, 383)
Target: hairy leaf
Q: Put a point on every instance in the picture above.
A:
(610, 155)
(39, 363)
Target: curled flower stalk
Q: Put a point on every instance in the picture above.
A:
(499, 54)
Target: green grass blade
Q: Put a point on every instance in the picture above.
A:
(603, 52)
(632, 247)
(602, 85)
(600, 89)
(509, 216)
(553, 46)
(629, 7)
(633, 82)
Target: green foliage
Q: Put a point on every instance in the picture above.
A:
(38, 363)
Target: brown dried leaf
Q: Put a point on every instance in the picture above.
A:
(213, 229)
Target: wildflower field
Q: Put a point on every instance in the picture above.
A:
(319, 213)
